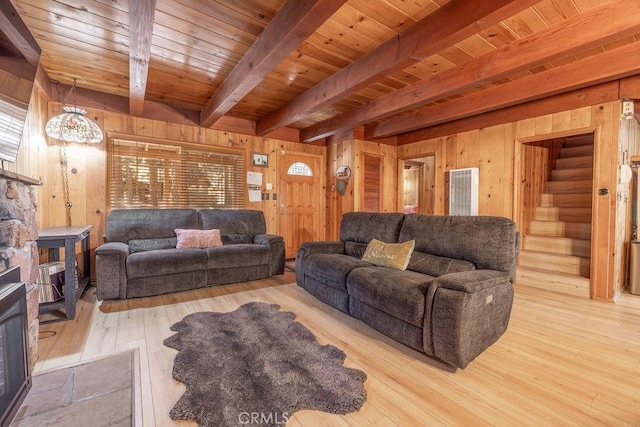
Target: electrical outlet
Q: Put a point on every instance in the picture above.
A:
(275, 196)
(266, 196)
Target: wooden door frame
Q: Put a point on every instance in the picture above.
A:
(602, 217)
(438, 181)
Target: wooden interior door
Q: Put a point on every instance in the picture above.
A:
(301, 200)
(372, 183)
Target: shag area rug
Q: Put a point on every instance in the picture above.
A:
(256, 365)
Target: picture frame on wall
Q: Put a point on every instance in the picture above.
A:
(259, 159)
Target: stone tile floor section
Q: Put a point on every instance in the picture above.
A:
(95, 393)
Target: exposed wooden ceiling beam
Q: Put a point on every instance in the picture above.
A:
(17, 32)
(609, 22)
(293, 24)
(141, 14)
(17, 66)
(610, 65)
(452, 23)
(591, 95)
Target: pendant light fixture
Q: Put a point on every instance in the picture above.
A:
(73, 125)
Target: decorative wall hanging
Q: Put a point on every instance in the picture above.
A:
(343, 173)
(259, 159)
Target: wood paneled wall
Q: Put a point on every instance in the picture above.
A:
(492, 150)
(40, 157)
(350, 153)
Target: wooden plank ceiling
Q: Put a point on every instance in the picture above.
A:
(326, 66)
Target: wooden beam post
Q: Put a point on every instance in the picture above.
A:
(17, 32)
(296, 21)
(141, 15)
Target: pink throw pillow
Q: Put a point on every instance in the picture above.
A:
(188, 238)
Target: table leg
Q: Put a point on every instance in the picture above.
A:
(70, 278)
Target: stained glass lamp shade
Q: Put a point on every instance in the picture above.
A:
(73, 126)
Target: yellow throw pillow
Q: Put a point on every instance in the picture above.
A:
(394, 255)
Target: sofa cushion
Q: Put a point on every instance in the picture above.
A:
(233, 239)
(139, 245)
(188, 238)
(124, 225)
(240, 255)
(487, 242)
(434, 265)
(331, 269)
(392, 255)
(361, 227)
(355, 249)
(165, 262)
(400, 294)
(233, 221)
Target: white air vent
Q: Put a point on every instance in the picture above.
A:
(463, 191)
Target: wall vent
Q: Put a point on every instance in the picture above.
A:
(463, 191)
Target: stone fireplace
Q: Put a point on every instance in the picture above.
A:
(18, 235)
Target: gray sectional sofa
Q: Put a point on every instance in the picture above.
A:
(140, 257)
(452, 302)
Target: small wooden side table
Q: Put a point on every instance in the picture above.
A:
(54, 238)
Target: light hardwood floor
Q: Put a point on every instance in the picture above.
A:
(563, 361)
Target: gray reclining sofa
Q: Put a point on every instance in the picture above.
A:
(453, 300)
(140, 257)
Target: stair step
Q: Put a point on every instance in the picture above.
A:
(572, 174)
(568, 264)
(558, 245)
(577, 151)
(577, 186)
(544, 279)
(575, 230)
(570, 200)
(562, 214)
(586, 139)
(575, 162)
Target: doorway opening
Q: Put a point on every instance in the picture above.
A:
(555, 213)
(418, 195)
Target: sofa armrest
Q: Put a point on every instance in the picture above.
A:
(310, 248)
(111, 271)
(465, 313)
(472, 281)
(275, 244)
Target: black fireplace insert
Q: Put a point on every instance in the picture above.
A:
(15, 377)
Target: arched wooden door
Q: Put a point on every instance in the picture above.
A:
(301, 200)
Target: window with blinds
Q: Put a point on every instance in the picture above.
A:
(13, 114)
(144, 174)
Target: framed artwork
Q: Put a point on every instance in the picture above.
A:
(259, 159)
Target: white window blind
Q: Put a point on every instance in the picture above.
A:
(144, 174)
(12, 118)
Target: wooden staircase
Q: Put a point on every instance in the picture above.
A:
(556, 249)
